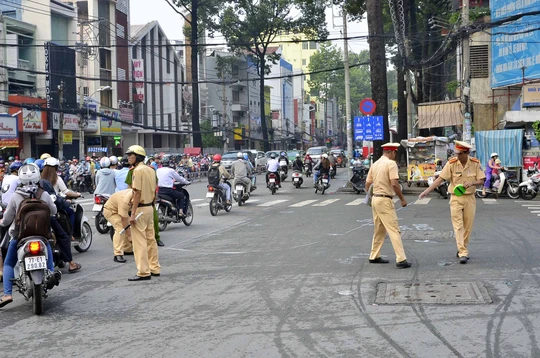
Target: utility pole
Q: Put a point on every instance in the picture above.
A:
(411, 132)
(465, 84)
(81, 90)
(225, 121)
(61, 89)
(195, 124)
(348, 118)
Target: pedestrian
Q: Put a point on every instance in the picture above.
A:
(463, 173)
(144, 191)
(383, 175)
(116, 211)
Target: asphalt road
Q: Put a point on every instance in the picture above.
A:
(288, 276)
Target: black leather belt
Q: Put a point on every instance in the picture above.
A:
(147, 204)
(383, 196)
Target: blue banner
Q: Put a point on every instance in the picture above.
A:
(358, 129)
(515, 50)
(369, 128)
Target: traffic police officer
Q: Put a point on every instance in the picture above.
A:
(144, 189)
(463, 173)
(116, 211)
(383, 175)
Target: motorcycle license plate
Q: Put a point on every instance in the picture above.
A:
(296, 179)
(209, 195)
(325, 181)
(239, 187)
(35, 263)
(272, 180)
(96, 207)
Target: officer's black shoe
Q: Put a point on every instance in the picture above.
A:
(463, 259)
(160, 243)
(120, 259)
(379, 260)
(140, 278)
(403, 264)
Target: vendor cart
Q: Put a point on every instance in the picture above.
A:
(424, 155)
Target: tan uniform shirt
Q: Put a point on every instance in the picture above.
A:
(455, 173)
(381, 174)
(144, 180)
(120, 202)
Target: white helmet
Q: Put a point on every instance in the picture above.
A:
(52, 162)
(325, 155)
(113, 159)
(29, 174)
(240, 155)
(105, 162)
(494, 155)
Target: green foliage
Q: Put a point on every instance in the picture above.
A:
(208, 138)
(224, 65)
(536, 127)
(451, 87)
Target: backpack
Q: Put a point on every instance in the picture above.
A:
(214, 176)
(33, 217)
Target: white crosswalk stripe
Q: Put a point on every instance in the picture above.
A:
(356, 202)
(326, 202)
(271, 203)
(424, 201)
(196, 200)
(490, 201)
(303, 203)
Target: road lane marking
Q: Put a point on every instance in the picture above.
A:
(303, 203)
(356, 202)
(530, 204)
(326, 202)
(395, 200)
(271, 203)
(535, 212)
(195, 200)
(422, 201)
(490, 201)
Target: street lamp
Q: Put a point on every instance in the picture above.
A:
(81, 122)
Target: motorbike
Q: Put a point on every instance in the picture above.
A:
(323, 183)
(283, 169)
(529, 188)
(240, 193)
(82, 232)
(307, 169)
(217, 199)
(167, 209)
(442, 189)
(332, 172)
(272, 183)
(507, 183)
(358, 179)
(100, 221)
(297, 179)
(83, 183)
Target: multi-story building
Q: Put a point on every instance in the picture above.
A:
(157, 99)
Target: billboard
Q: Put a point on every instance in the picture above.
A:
(515, 49)
(60, 67)
(138, 79)
(110, 127)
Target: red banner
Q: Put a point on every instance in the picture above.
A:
(9, 142)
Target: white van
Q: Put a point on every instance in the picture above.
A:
(316, 152)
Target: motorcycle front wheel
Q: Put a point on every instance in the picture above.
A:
(86, 238)
(526, 194)
(101, 224)
(37, 299)
(162, 214)
(213, 206)
(480, 194)
(188, 219)
(512, 191)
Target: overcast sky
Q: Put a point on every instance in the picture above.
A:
(171, 22)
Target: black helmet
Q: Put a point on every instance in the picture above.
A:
(124, 162)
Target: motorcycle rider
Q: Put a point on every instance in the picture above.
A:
(489, 169)
(272, 166)
(114, 162)
(223, 174)
(283, 156)
(322, 167)
(10, 182)
(241, 172)
(63, 168)
(121, 175)
(333, 161)
(253, 176)
(29, 176)
(167, 177)
(297, 165)
(309, 162)
(105, 183)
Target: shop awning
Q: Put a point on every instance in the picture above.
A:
(507, 143)
(439, 114)
(192, 151)
(521, 116)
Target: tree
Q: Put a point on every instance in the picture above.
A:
(209, 139)
(250, 27)
(196, 13)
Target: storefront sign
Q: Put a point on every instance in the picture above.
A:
(68, 137)
(531, 95)
(530, 161)
(46, 135)
(138, 78)
(8, 126)
(126, 114)
(71, 121)
(420, 172)
(29, 120)
(32, 121)
(110, 127)
(9, 142)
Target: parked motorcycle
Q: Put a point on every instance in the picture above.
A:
(272, 183)
(507, 183)
(442, 189)
(529, 188)
(323, 183)
(240, 193)
(297, 179)
(358, 180)
(100, 221)
(82, 232)
(217, 199)
(167, 209)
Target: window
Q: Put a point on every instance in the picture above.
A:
(168, 51)
(312, 45)
(235, 70)
(305, 45)
(304, 62)
(105, 59)
(235, 96)
(86, 91)
(479, 61)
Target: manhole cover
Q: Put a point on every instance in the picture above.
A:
(428, 235)
(445, 293)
